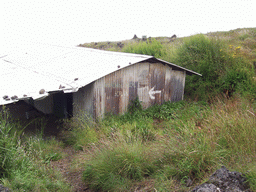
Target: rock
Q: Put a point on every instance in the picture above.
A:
(189, 182)
(120, 44)
(135, 37)
(4, 189)
(61, 87)
(173, 38)
(206, 188)
(42, 91)
(14, 97)
(6, 97)
(224, 180)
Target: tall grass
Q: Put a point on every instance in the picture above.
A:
(24, 161)
(81, 131)
(117, 164)
(223, 68)
(191, 144)
(149, 47)
(161, 148)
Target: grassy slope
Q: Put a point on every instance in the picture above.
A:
(190, 143)
(153, 150)
(246, 38)
(164, 146)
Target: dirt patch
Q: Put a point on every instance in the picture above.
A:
(71, 174)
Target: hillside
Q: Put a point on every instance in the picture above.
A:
(170, 147)
(245, 38)
(227, 60)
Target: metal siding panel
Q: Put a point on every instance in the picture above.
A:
(19, 110)
(143, 84)
(83, 100)
(177, 84)
(45, 105)
(133, 84)
(113, 91)
(99, 98)
(127, 75)
(168, 87)
(152, 83)
(157, 79)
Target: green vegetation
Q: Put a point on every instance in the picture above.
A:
(156, 149)
(223, 69)
(190, 140)
(226, 60)
(149, 47)
(185, 139)
(24, 162)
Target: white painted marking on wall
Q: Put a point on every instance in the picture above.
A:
(152, 93)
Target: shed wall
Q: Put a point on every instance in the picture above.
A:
(44, 105)
(152, 83)
(83, 100)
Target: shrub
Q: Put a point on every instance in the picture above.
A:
(149, 47)
(114, 166)
(223, 69)
(82, 132)
(21, 168)
(8, 141)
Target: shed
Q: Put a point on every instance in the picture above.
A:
(68, 81)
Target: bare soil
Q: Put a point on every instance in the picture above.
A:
(71, 175)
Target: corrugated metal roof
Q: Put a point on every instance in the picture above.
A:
(26, 71)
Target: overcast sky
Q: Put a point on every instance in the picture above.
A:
(69, 23)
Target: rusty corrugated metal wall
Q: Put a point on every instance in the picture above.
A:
(152, 83)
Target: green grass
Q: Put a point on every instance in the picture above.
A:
(159, 148)
(149, 47)
(185, 140)
(154, 149)
(223, 67)
(117, 164)
(24, 160)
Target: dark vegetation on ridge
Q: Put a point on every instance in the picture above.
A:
(172, 147)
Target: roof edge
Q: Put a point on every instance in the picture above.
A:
(189, 72)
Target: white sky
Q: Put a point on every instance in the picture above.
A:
(71, 22)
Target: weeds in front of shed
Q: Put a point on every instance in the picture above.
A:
(22, 161)
(81, 131)
(117, 164)
(184, 141)
(188, 146)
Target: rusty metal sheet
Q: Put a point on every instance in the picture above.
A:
(113, 91)
(177, 85)
(152, 83)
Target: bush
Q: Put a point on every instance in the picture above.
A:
(8, 142)
(21, 167)
(116, 165)
(149, 47)
(223, 69)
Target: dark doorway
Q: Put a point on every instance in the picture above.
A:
(63, 105)
(69, 97)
